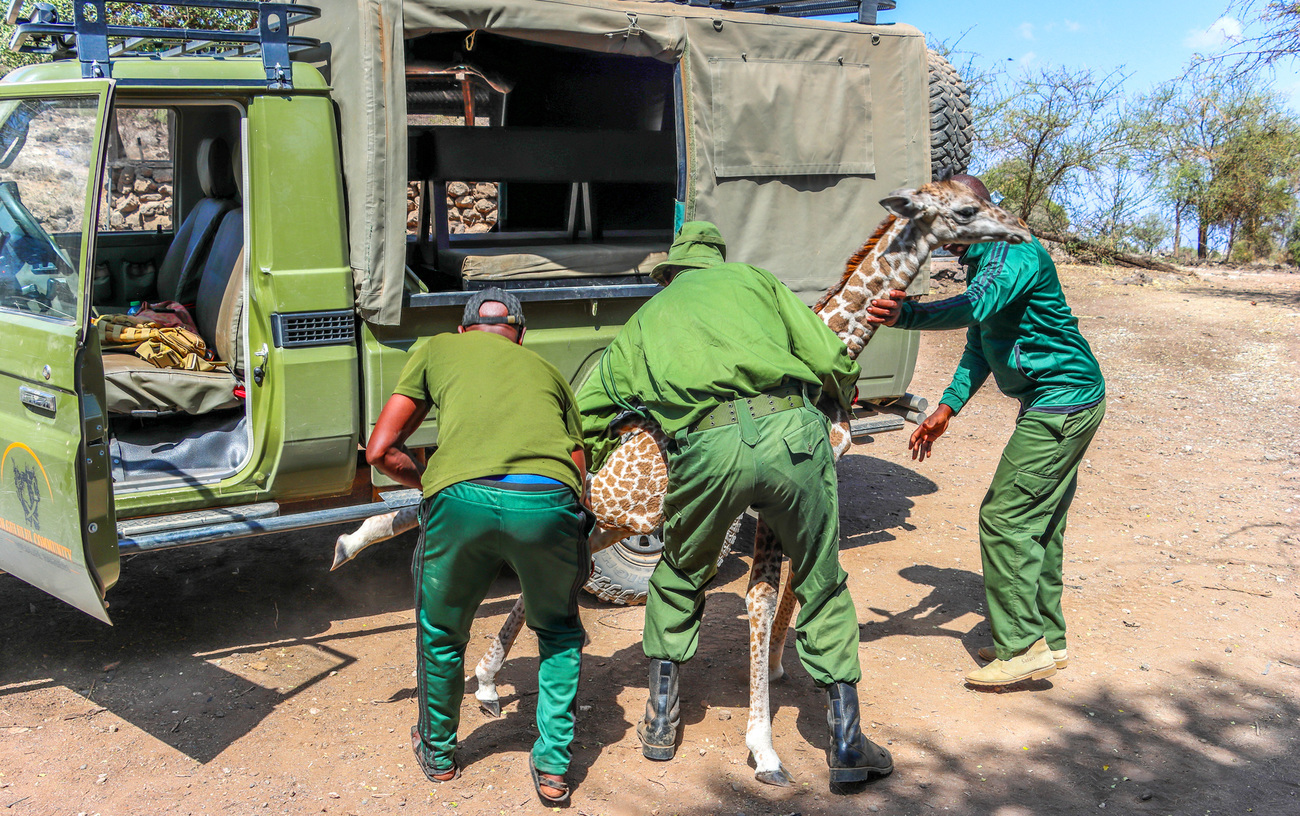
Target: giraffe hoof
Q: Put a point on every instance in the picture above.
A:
(492, 708)
(780, 778)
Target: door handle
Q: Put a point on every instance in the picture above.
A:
(37, 400)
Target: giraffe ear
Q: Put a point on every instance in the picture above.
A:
(903, 204)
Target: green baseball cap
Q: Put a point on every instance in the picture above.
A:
(698, 245)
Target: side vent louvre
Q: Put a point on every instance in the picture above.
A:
(299, 329)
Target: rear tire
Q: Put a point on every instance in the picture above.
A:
(620, 574)
(951, 133)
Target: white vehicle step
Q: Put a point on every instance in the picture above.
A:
(195, 518)
(863, 429)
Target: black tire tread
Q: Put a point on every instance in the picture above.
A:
(951, 134)
(617, 580)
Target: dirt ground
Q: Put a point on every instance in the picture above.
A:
(249, 679)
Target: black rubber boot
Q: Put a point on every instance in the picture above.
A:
(851, 756)
(658, 730)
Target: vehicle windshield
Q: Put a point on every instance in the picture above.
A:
(46, 153)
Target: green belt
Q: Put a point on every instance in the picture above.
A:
(785, 398)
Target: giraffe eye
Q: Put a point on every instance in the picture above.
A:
(967, 213)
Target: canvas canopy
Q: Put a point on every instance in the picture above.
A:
(794, 128)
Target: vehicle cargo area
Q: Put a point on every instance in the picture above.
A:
(533, 165)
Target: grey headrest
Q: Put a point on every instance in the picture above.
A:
(216, 174)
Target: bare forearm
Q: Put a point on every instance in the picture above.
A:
(398, 465)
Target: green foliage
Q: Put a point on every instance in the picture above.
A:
(1292, 251)
(138, 14)
(1051, 129)
(1009, 179)
(1229, 154)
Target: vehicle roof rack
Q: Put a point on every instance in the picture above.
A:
(864, 9)
(95, 41)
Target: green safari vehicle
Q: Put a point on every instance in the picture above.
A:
(321, 186)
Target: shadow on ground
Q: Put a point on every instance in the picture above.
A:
(193, 614)
(1210, 743)
(1271, 297)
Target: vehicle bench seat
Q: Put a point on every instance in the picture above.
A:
(136, 387)
(512, 263)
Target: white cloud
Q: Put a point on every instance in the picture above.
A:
(1072, 26)
(1221, 32)
(1027, 59)
(1027, 30)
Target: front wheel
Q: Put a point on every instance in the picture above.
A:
(620, 573)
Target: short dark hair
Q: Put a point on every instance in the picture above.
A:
(973, 182)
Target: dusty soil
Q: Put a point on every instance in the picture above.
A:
(249, 679)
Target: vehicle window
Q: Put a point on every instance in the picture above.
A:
(46, 152)
(137, 193)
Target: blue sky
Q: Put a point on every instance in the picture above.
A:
(1152, 39)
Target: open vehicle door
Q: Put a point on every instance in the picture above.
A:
(57, 530)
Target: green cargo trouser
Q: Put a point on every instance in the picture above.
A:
(782, 465)
(470, 530)
(1022, 526)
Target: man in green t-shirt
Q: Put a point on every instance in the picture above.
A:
(1020, 329)
(731, 364)
(502, 487)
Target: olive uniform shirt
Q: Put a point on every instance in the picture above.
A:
(694, 346)
(501, 409)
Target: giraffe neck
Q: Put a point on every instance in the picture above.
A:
(890, 260)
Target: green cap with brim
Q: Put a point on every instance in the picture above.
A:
(698, 245)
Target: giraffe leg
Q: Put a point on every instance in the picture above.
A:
(372, 531)
(760, 602)
(490, 664)
(781, 628)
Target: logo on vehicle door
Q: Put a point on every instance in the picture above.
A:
(31, 484)
(29, 495)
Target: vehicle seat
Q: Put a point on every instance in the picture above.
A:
(135, 387)
(179, 275)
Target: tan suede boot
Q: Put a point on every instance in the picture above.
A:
(1034, 663)
(988, 654)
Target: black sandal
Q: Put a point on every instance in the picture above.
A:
(432, 774)
(562, 799)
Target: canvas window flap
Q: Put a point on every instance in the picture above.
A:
(824, 125)
(803, 226)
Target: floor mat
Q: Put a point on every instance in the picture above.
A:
(186, 447)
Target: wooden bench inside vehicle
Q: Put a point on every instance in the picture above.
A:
(595, 164)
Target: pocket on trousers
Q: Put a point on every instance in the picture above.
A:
(803, 440)
(1035, 485)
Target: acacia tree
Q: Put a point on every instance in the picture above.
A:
(1255, 179)
(1223, 151)
(1278, 37)
(1050, 130)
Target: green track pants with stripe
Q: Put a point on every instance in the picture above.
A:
(470, 531)
(781, 465)
(1022, 526)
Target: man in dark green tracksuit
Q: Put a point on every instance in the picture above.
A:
(501, 488)
(730, 364)
(1020, 329)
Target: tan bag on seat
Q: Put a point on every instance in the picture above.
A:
(170, 347)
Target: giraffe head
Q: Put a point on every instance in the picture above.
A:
(950, 212)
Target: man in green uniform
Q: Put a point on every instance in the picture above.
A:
(501, 488)
(1020, 329)
(730, 364)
